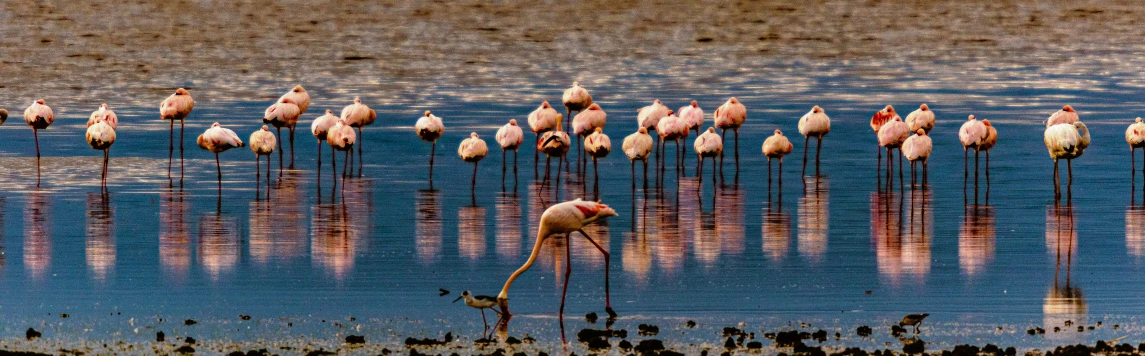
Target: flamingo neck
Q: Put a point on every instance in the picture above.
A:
(542, 233)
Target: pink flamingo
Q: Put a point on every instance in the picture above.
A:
(106, 114)
(554, 143)
(877, 120)
(971, 134)
(576, 98)
(472, 150)
(730, 115)
(1064, 116)
(814, 123)
(542, 120)
(693, 115)
(776, 146)
(649, 116)
(217, 140)
(100, 136)
(320, 128)
(429, 128)
(986, 145)
(564, 219)
(359, 116)
(3, 115)
(263, 143)
(299, 97)
(38, 116)
(917, 148)
(708, 145)
(597, 145)
(284, 113)
(509, 137)
(671, 128)
(1135, 137)
(176, 108)
(638, 146)
(586, 122)
(892, 135)
(341, 137)
(1065, 141)
(923, 118)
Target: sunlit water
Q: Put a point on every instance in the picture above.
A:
(310, 254)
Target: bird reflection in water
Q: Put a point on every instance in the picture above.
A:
(776, 232)
(332, 239)
(219, 243)
(813, 217)
(3, 256)
(471, 232)
(729, 219)
(1064, 301)
(37, 235)
(976, 239)
(277, 229)
(898, 255)
(100, 235)
(427, 226)
(1135, 231)
(174, 234)
(508, 229)
(636, 250)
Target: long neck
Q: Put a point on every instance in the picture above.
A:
(542, 233)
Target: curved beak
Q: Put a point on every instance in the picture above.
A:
(458, 298)
(550, 139)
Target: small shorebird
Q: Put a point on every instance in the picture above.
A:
(38, 116)
(481, 302)
(217, 140)
(914, 320)
(638, 146)
(100, 136)
(176, 108)
(923, 118)
(577, 98)
(776, 146)
(814, 123)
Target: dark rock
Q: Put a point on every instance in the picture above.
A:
(990, 348)
(914, 347)
(1057, 329)
(1031, 331)
(838, 335)
(64, 315)
(1072, 350)
(965, 350)
(528, 339)
(730, 344)
(512, 341)
(863, 331)
(649, 345)
(321, 352)
(1040, 330)
(755, 345)
(769, 336)
(896, 330)
(189, 322)
(624, 345)
(520, 354)
(598, 343)
(1011, 351)
(587, 334)
(185, 349)
(412, 352)
(236, 353)
(1126, 348)
(160, 337)
(189, 340)
(733, 332)
(739, 340)
(422, 342)
(788, 338)
(448, 337)
(820, 336)
(542, 353)
(244, 317)
(355, 339)
(690, 324)
(591, 317)
(669, 353)
(32, 334)
(851, 351)
(1080, 328)
(1101, 346)
(647, 330)
(483, 341)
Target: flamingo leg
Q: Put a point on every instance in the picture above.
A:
(104, 178)
(345, 157)
(432, 152)
(319, 159)
(818, 150)
(607, 299)
(987, 170)
(780, 174)
(924, 170)
(633, 162)
(473, 183)
(536, 155)
(504, 165)
(879, 151)
(976, 176)
(278, 137)
(1057, 182)
(36, 136)
(267, 176)
(219, 167)
(547, 160)
(913, 177)
(806, 140)
(171, 149)
(1069, 185)
(568, 273)
(736, 132)
(1133, 170)
(292, 147)
(645, 173)
(361, 160)
(334, 171)
(700, 169)
(768, 177)
(723, 132)
(182, 124)
(900, 167)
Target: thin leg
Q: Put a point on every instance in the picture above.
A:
(219, 167)
(473, 183)
(924, 170)
(595, 177)
(547, 160)
(1057, 182)
(104, 179)
(633, 162)
(723, 132)
(292, 147)
(913, 175)
(278, 137)
(171, 149)
(504, 165)
(349, 153)
(700, 169)
(976, 176)
(432, 152)
(1069, 171)
(900, 167)
(257, 171)
(334, 171)
(806, 140)
(768, 178)
(607, 298)
(536, 154)
(361, 160)
(568, 272)
(818, 150)
(268, 176)
(483, 319)
(182, 163)
(36, 136)
(1133, 169)
(987, 170)
(514, 165)
(645, 173)
(736, 132)
(780, 173)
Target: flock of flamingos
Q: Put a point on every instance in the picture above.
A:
(1066, 137)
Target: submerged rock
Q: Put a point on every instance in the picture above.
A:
(648, 330)
(863, 331)
(189, 322)
(185, 349)
(591, 317)
(355, 339)
(160, 337)
(31, 334)
(650, 345)
(585, 334)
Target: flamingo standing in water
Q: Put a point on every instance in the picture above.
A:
(509, 137)
(649, 116)
(776, 146)
(987, 144)
(577, 98)
(542, 120)
(320, 128)
(972, 134)
(176, 108)
(429, 128)
(814, 123)
(472, 150)
(359, 116)
(638, 146)
(730, 115)
(284, 113)
(38, 116)
(1135, 137)
(564, 219)
(100, 136)
(342, 137)
(692, 115)
(892, 135)
(554, 143)
(917, 148)
(923, 118)
(263, 143)
(1065, 141)
(106, 114)
(671, 128)
(877, 120)
(597, 145)
(299, 97)
(708, 145)
(217, 140)
(586, 122)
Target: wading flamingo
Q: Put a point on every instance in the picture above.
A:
(971, 134)
(671, 128)
(176, 108)
(263, 143)
(892, 135)
(814, 123)
(342, 137)
(597, 145)
(320, 128)
(100, 136)
(708, 145)
(542, 120)
(730, 115)
(38, 116)
(877, 120)
(1064, 116)
(638, 146)
(510, 137)
(577, 99)
(429, 128)
(1135, 137)
(217, 140)
(917, 148)
(987, 144)
(109, 117)
(359, 116)
(649, 116)
(299, 97)
(472, 150)
(1066, 141)
(284, 113)
(776, 146)
(586, 122)
(923, 118)
(564, 219)
(554, 143)
(692, 115)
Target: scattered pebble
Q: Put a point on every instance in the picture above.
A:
(863, 331)
(189, 340)
(355, 339)
(160, 337)
(190, 322)
(185, 349)
(649, 345)
(647, 330)
(591, 317)
(690, 324)
(730, 331)
(244, 317)
(624, 345)
(31, 334)
(512, 341)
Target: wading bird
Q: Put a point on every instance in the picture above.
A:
(359, 116)
(923, 118)
(509, 137)
(176, 108)
(877, 120)
(3, 116)
(100, 136)
(320, 128)
(299, 97)
(554, 143)
(814, 123)
(342, 137)
(1066, 141)
(1064, 116)
(564, 219)
(649, 116)
(429, 128)
(892, 135)
(1135, 137)
(776, 146)
(917, 148)
(577, 99)
(971, 134)
(730, 115)
(708, 145)
(284, 113)
(693, 115)
(542, 120)
(106, 114)
(671, 128)
(481, 302)
(987, 144)
(597, 145)
(472, 150)
(217, 140)
(638, 146)
(38, 116)
(263, 143)
(586, 122)
(914, 320)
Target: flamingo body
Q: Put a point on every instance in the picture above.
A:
(106, 115)
(587, 121)
(972, 133)
(917, 146)
(1067, 115)
(263, 142)
(637, 146)
(777, 145)
(882, 117)
(692, 115)
(39, 115)
(671, 127)
(730, 115)
(576, 98)
(321, 126)
(100, 135)
(893, 133)
(358, 114)
(709, 144)
(991, 136)
(1135, 134)
(341, 137)
(554, 143)
(299, 97)
(648, 116)
(923, 118)
(597, 144)
(429, 127)
(177, 106)
(1066, 141)
(218, 139)
(545, 118)
(472, 149)
(510, 136)
(284, 113)
(815, 123)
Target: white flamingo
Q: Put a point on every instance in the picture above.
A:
(877, 120)
(1066, 115)
(217, 140)
(358, 115)
(814, 123)
(106, 114)
(100, 136)
(671, 128)
(299, 97)
(38, 116)
(693, 115)
(730, 115)
(342, 137)
(1065, 141)
(176, 108)
(923, 118)
(509, 137)
(284, 113)
(429, 128)
(597, 145)
(638, 146)
(542, 120)
(892, 135)
(576, 98)
(708, 145)
(262, 143)
(587, 121)
(320, 128)
(649, 116)
(472, 150)
(917, 148)
(972, 134)
(776, 147)
(1135, 137)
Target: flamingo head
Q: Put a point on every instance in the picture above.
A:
(670, 112)
(733, 100)
(576, 84)
(712, 129)
(545, 105)
(889, 109)
(657, 102)
(473, 135)
(599, 130)
(594, 107)
(1137, 120)
(1067, 108)
(99, 119)
(357, 100)
(896, 118)
(287, 101)
(816, 109)
(695, 104)
(513, 122)
(778, 133)
(298, 89)
(428, 114)
(642, 131)
(329, 112)
(103, 106)
(264, 128)
(181, 91)
(986, 122)
(40, 101)
(921, 132)
(214, 125)
(923, 107)
(970, 118)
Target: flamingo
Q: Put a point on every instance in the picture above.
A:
(554, 144)
(1064, 116)
(263, 143)
(776, 146)
(814, 123)
(320, 128)
(577, 98)
(730, 115)
(299, 97)
(693, 115)
(923, 118)
(429, 128)
(509, 137)
(284, 113)
(671, 128)
(1066, 141)
(987, 144)
(106, 114)
(341, 137)
(472, 150)
(917, 148)
(972, 134)
(649, 116)
(1135, 137)
(100, 136)
(892, 134)
(597, 145)
(38, 116)
(877, 120)
(709, 145)
(217, 140)
(638, 146)
(3, 115)
(542, 120)
(586, 122)
(176, 108)
(359, 116)
(565, 218)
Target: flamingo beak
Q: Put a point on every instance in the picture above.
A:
(458, 298)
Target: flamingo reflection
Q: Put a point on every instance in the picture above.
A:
(332, 239)
(813, 221)
(37, 235)
(174, 235)
(1135, 231)
(219, 243)
(100, 235)
(1064, 301)
(776, 233)
(471, 232)
(277, 230)
(976, 239)
(508, 226)
(427, 226)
